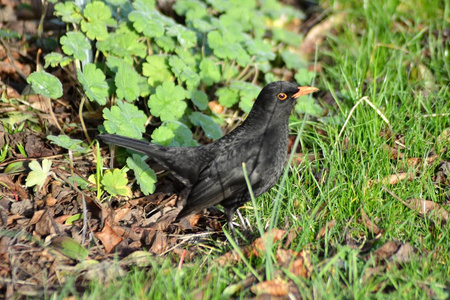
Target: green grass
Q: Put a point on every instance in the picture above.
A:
(395, 54)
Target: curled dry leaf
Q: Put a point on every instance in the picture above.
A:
(393, 179)
(429, 209)
(255, 249)
(404, 253)
(386, 251)
(109, 238)
(276, 287)
(371, 226)
(325, 228)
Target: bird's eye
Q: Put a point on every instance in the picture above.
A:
(282, 96)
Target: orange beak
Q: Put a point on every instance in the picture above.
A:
(304, 90)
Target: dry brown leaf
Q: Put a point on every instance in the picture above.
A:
(276, 287)
(298, 263)
(120, 213)
(160, 243)
(109, 238)
(258, 246)
(255, 249)
(404, 253)
(427, 208)
(325, 228)
(393, 179)
(215, 106)
(386, 251)
(371, 226)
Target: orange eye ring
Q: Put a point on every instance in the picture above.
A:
(282, 96)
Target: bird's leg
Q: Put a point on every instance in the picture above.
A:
(244, 226)
(229, 212)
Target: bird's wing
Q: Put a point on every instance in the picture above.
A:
(184, 163)
(223, 178)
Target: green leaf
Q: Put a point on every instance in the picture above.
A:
(162, 136)
(123, 43)
(79, 182)
(174, 134)
(94, 84)
(187, 38)
(45, 84)
(54, 59)
(145, 176)
(307, 104)
(227, 96)
(127, 83)
(69, 12)
(166, 43)
(287, 37)
(74, 43)
(192, 9)
(157, 70)
(211, 128)
(38, 174)
(184, 72)
(261, 50)
(304, 77)
(72, 219)
(200, 99)
(292, 60)
(209, 72)
(115, 183)
(98, 17)
(247, 93)
(67, 143)
(168, 102)
(226, 47)
(147, 20)
(69, 247)
(124, 119)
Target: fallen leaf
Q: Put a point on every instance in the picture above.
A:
(404, 253)
(160, 243)
(108, 238)
(325, 228)
(429, 209)
(276, 287)
(392, 179)
(371, 226)
(386, 251)
(255, 249)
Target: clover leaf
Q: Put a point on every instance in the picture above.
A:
(38, 174)
(124, 119)
(94, 84)
(66, 142)
(173, 133)
(209, 72)
(115, 183)
(97, 18)
(167, 102)
(74, 43)
(127, 83)
(157, 70)
(145, 176)
(54, 59)
(211, 128)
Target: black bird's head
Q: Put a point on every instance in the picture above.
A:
(276, 100)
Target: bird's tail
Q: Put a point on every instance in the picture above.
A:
(129, 143)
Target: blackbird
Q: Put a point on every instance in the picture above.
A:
(213, 173)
